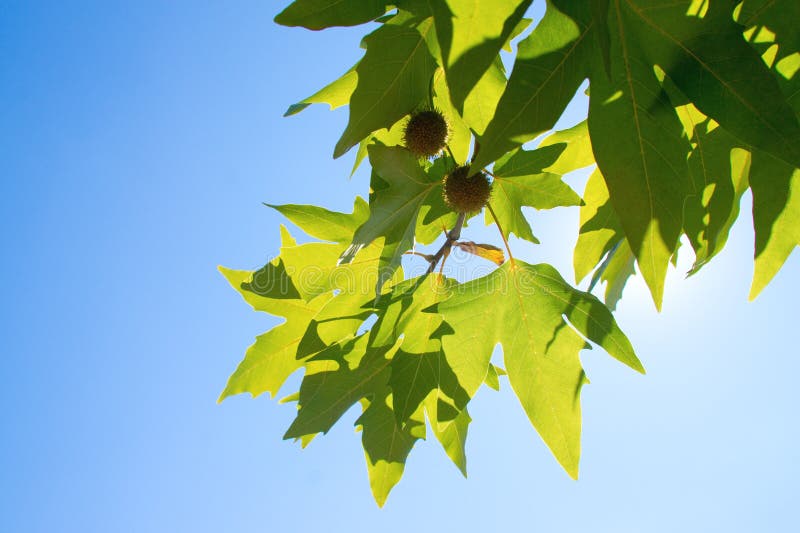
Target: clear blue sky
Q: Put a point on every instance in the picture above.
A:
(137, 142)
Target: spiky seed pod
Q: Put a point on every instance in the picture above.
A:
(426, 133)
(464, 193)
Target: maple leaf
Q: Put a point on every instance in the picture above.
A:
(518, 182)
(393, 78)
(690, 104)
(528, 309)
(395, 207)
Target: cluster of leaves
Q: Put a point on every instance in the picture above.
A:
(691, 104)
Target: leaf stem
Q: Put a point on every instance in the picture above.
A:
(502, 233)
(453, 157)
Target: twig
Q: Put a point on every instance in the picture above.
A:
(444, 260)
(452, 236)
(502, 233)
(427, 257)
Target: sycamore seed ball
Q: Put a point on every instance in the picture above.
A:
(466, 194)
(426, 133)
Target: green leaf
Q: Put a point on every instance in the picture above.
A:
(320, 14)
(419, 376)
(518, 29)
(551, 64)
(517, 184)
(638, 143)
(452, 436)
(522, 162)
(395, 209)
(393, 79)
(272, 359)
(776, 216)
(434, 215)
(615, 270)
(471, 34)
(719, 166)
(601, 237)
(263, 288)
(392, 136)
(577, 153)
(314, 267)
(492, 378)
(335, 94)
(560, 152)
(772, 31)
(326, 225)
(309, 328)
(600, 230)
(481, 103)
(460, 138)
(419, 369)
(709, 61)
(600, 21)
(336, 379)
(339, 319)
(387, 445)
(526, 308)
(271, 282)
(687, 109)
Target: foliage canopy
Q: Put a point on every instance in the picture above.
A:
(690, 105)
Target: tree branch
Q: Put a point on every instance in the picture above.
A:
(452, 236)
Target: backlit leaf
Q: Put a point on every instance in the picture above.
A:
(638, 143)
(273, 357)
(523, 307)
(709, 61)
(336, 379)
(690, 104)
(471, 34)
(324, 224)
(335, 94)
(394, 210)
(550, 65)
(393, 79)
(514, 187)
(319, 14)
(600, 229)
(387, 444)
(776, 216)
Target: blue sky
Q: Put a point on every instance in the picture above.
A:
(137, 142)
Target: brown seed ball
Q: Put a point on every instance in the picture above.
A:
(466, 194)
(426, 133)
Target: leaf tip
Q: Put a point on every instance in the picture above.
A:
(223, 395)
(295, 109)
(341, 148)
(755, 290)
(379, 501)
